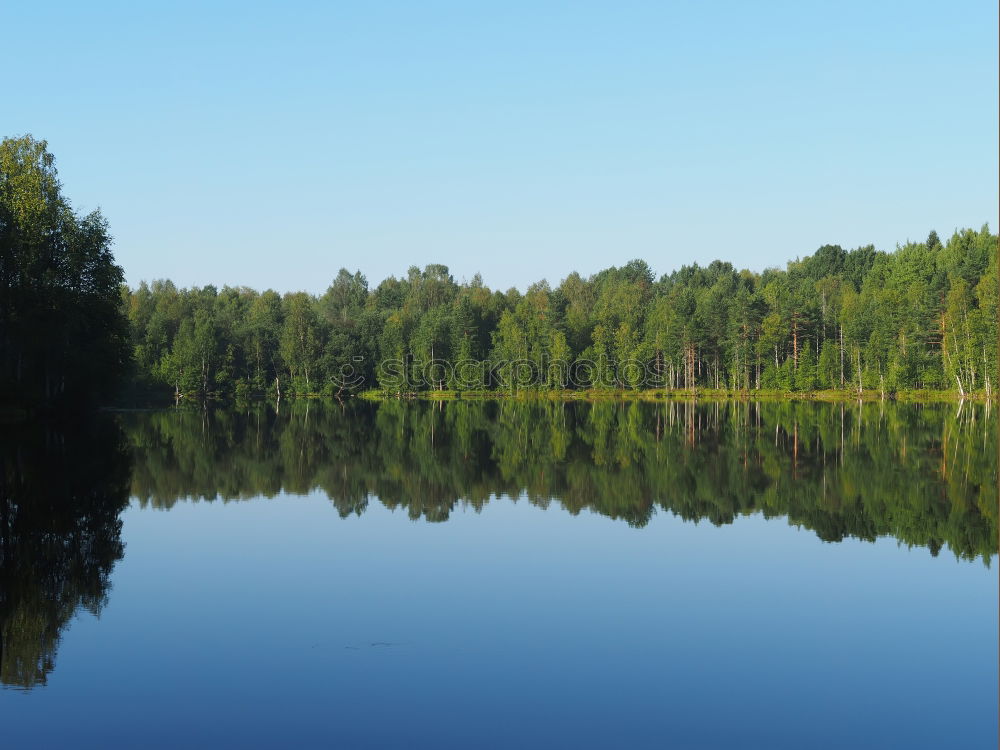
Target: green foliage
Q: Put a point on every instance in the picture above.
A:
(806, 378)
(63, 335)
(922, 317)
(828, 367)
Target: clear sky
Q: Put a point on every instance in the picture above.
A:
(269, 144)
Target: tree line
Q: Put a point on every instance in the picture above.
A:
(921, 317)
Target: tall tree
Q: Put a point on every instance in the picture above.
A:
(63, 332)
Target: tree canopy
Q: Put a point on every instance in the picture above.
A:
(921, 317)
(63, 335)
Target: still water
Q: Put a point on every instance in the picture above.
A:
(480, 575)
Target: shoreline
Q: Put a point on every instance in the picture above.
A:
(155, 402)
(701, 394)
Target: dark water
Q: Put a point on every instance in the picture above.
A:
(478, 575)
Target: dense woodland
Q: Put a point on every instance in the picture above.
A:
(924, 474)
(64, 342)
(921, 317)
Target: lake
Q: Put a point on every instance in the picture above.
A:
(503, 574)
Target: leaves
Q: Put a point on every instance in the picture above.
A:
(914, 318)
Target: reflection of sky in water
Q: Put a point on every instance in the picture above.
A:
(253, 624)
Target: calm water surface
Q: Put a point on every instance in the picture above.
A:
(479, 575)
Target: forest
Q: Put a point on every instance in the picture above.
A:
(920, 318)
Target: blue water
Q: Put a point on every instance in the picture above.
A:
(319, 576)
(276, 623)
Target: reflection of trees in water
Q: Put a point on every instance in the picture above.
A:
(61, 493)
(922, 474)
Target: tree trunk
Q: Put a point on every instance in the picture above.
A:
(841, 355)
(860, 389)
(795, 341)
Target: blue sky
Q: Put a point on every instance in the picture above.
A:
(269, 144)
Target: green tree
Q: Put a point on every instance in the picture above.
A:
(63, 331)
(300, 340)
